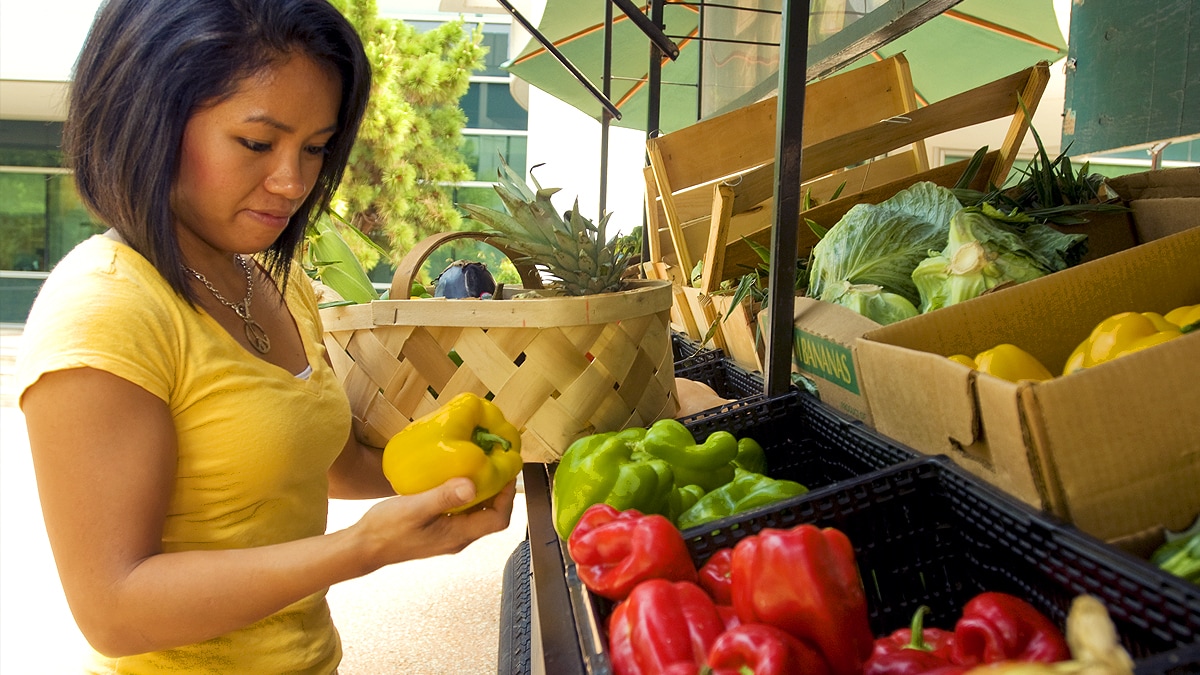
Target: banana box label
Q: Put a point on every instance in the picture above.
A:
(825, 359)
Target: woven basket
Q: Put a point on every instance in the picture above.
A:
(559, 368)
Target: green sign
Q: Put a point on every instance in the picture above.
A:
(825, 359)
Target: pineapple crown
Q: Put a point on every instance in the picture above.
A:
(572, 250)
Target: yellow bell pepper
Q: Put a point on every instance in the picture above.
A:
(468, 436)
(1006, 361)
(1118, 335)
(1184, 316)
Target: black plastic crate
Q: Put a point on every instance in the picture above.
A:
(927, 533)
(725, 377)
(686, 351)
(804, 440)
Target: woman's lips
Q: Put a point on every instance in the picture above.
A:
(275, 219)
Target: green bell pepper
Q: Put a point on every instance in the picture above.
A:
(602, 468)
(706, 464)
(747, 491)
(683, 498)
(750, 456)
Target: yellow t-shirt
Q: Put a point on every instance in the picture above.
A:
(255, 441)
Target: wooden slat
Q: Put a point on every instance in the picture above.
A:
(982, 104)
(718, 238)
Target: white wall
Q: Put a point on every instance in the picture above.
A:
(568, 142)
(40, 39)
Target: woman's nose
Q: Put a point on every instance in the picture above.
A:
(287, 180)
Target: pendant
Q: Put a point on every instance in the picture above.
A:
(257, 336)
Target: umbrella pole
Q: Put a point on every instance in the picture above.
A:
(654, 74)
(781, 294)
(606, 84)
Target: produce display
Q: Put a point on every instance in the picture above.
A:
(662, 469)
(616, 550)
(922, 249)
(1006, 361)
(468, 436)
(1126, 333)
(792, 601)
(986, 249)
(747, 490)
(1118, 335)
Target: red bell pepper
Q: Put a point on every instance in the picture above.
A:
(729, 616)
(714, 576)
(915, 650)
(662, 624)
(763, 650)
(998, 627)
(805, 580)
(615, 550)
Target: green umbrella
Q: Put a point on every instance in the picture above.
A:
(970, 44)
(976, 42)
(576, 27)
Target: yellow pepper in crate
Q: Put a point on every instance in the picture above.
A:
(1184, 316)
(1118, 335)
(468, 436)
(1006, 361)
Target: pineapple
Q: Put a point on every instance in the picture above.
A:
(572, 253)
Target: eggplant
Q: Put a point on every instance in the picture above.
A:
(465, 279)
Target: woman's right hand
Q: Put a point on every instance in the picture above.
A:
(418, 526)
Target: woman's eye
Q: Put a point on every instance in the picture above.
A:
(316, 150)
(255, 146)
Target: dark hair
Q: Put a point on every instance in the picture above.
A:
(148, 65)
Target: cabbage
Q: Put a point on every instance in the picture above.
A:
(982, 253)
(881, 244)
(871, 301)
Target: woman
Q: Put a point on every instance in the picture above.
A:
(186, 427)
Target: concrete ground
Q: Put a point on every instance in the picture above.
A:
(423, 617)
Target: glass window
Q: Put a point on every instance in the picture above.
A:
(41, 220)
(490, 105)
(495, 38)
(482, 153)
(26, 143)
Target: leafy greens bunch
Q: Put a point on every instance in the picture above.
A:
(922, 249)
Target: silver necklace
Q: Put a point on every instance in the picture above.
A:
(254, 332)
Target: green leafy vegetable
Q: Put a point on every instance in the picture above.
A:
(985, 249)
(872, 301)
(881, 244)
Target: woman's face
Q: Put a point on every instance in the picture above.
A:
(248, 162)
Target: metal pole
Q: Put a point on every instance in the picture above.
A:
(654, 73)
(651, 27)
(606, 84)
(793, 57)
(561, 58)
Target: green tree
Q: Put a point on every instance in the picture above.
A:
(408, 148)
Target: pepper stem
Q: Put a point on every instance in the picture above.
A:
(486, 440)
(917, 641)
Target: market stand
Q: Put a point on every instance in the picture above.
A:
(1013, 545)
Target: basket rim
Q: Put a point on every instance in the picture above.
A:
(643, 297)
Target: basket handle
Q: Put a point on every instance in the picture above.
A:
(408, 268)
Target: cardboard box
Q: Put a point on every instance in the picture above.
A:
(823, 338)
(1162, 202)
(1115, 448)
